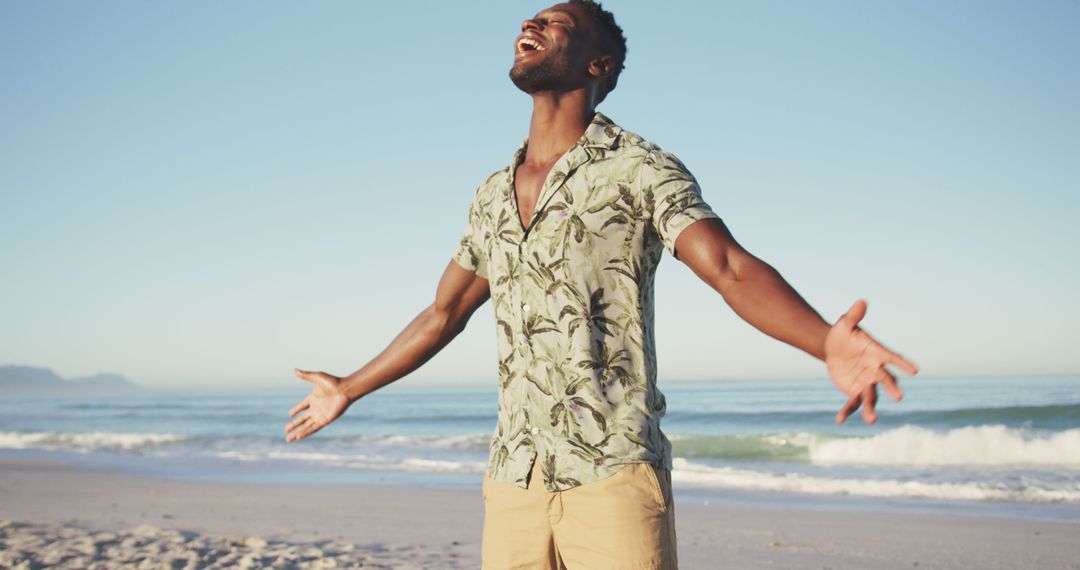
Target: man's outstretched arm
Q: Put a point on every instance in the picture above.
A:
(757, 293)
(459, 294)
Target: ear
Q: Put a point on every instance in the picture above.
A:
(602, 66)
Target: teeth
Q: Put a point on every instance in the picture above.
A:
(531, 43)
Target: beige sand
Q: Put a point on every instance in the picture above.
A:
(63, 516)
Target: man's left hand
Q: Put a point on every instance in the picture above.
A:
(856, 364)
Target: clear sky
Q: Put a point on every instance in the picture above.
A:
(211, 193)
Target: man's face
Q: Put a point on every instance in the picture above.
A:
(553, 50)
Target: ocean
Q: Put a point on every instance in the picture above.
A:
(983, 446)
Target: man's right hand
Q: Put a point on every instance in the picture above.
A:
(325, 402)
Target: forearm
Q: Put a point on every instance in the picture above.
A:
(424, 337)
(761, 297)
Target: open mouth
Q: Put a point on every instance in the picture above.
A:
(527, 45)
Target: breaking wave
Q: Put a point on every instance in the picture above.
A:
(87, 442)
(750, 480)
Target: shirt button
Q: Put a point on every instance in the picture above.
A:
(525, 307)
(535, 430)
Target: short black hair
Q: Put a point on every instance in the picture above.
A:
(612, 36)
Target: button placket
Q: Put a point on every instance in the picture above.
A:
(518, 301)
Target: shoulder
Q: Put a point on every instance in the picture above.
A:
(497, 177)
(652, 158)
(488, 188)
(633, 145)
(651, 161)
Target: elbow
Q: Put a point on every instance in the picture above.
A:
(718, 272)
(444, 320)
(733, 268)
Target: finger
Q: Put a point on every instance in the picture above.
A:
(902, 363)
(304, 375)
(303, 405)
(307, 430)
(869, 400)
(885, 378)
(848, 408)
(300, 420)
(301, 431)
(298, 434)
(851, 318)
(295, 423)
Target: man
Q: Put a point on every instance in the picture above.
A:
(566, 241)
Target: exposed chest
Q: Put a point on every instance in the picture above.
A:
(528, 182)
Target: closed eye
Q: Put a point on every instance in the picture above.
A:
(555, 17)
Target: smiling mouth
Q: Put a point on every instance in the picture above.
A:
(526, 45)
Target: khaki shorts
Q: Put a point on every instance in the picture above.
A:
(624, 521)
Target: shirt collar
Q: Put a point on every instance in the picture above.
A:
(602, 132)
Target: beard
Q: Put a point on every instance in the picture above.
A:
(547, 75)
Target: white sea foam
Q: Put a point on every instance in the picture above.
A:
(745, 479)
(977, 445)
(359, 461)
(238, 455)
(86, 442)
(315, 456)
(417, 464)
(309, 456)
(453, 441)
(411, 464)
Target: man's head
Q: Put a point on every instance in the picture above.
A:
(569, 46)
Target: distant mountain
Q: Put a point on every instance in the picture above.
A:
(18, 380)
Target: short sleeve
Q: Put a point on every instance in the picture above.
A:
(674, 196)
(470, 253)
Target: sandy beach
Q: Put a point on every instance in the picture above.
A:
(57, 515)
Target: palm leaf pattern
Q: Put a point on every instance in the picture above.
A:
(573, 301)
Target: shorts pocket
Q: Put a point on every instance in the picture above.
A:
(654, 485)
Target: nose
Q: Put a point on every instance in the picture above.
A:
(530, 24)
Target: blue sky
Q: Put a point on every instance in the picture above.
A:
(204, 194)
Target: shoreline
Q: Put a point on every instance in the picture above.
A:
(426, 527)
(232, 472)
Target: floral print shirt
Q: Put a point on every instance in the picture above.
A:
(573, 301)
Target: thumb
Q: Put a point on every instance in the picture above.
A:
(851, 319)
(303, 375)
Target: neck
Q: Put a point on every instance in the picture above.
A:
(558, 121)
